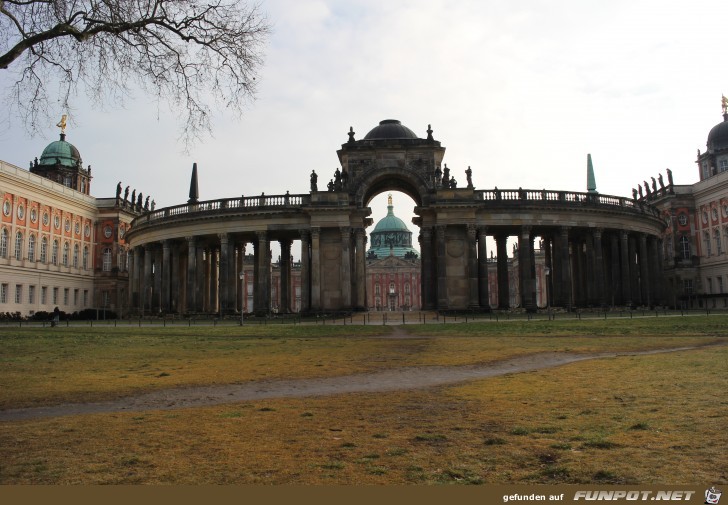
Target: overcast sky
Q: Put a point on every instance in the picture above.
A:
(520, 91)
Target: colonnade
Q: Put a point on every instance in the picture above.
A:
(586, 267)
(201, 274)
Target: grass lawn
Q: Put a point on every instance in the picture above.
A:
(629, 420)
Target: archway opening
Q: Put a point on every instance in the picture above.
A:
(393, 271)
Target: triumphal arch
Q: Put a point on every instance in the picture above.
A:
(599, 250)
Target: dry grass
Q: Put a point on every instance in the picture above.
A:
(628, 420)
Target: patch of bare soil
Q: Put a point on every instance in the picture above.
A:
(388, 380)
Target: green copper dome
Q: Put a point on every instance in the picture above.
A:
(62, 152)
(390, 236)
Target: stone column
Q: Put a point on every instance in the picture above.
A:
(147, 291)
(315, 269)
(441, 248)
(474, 302)
(345, 271)
(428, 289)
(136, 302)
(549, 264)
(624, 259)
(599, 268)
(578, 256)
(200, 280)
(525, 243)
(361, 265)
(504, 296)
(263, 280)
(285, 306)
(563, 288)
(157, 271)
(634, 272)
(483, 300)
(240, 283)
(175, 288)
(658, 279)
(231, 282)
(590, 270)
(224, 277)
(305, 271)
(614, 247)
(190, 301)
(645, 271)
(166, 275)
(212, 280)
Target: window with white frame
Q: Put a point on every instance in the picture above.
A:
(688, 286)
(55, 296)
(84, 261)
(19, 246)
(718, 242)
(719, 280)
(4, 293)
(723, 165)
(31, 294)
(106, 260)
(65, 296)
(75, 255)
(85, 297)
(43, 250)
(18, 293)
(43, 294)
(31, 247)
(3, 243)
(54, 252)
(65, 253)
(706, 239)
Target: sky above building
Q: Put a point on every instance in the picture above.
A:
(519, 91)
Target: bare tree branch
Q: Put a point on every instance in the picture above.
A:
(189, 53)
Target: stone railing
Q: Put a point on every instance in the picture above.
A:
(221, 206)
(571, 197)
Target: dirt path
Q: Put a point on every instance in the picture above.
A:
(387, 380)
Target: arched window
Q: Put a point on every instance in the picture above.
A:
(66, 249)
(685, 247)
(718, 242)
(54, 252)
(3, 243)
(106, 260)
(85, 258)
(19, 246)
(75, 256)
(706, 239)
(31, 247)
(43, 249)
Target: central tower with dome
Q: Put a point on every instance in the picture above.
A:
(391, 237)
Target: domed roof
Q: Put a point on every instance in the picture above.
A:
(391, 236)
(718, 136)
(61, 151)
(390, 129)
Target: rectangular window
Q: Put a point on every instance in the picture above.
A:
(85, 297)
(105, 299)
(43, 295)
(55, 296)
(688, 286)
(3, 293)
(720, 284)
(710, 285)
(18, 293)
(65, 296)
(75, 296)
(31, 294)
(722, 165)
